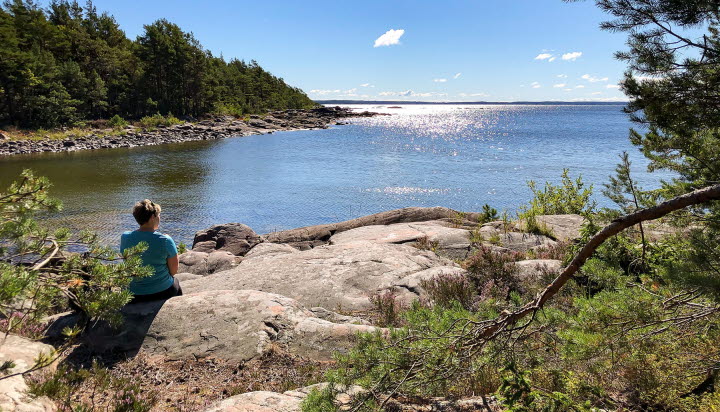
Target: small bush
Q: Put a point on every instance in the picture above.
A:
(569, 197)
(117, 122)
(181, 248)
(424, 243)
(494, 274)
(387, 307)
(488, 214)
(444, 289)
(157, 120)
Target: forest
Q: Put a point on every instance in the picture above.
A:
(69, 63)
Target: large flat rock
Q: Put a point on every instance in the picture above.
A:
(334, 276)
(236, 325)
(453, 242)
(242, 324)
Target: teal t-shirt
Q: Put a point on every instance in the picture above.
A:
(160, 248)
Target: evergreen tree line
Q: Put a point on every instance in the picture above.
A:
(69, 63)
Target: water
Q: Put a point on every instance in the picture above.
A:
(456, 156)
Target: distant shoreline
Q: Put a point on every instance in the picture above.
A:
(219, 127)
(400, 103)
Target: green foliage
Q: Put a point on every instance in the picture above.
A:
(320, 400)
(117, 122)
(35, 281)
(157, 120)
(182, 248)
(488, 214)
(108, 392)
(66, 63)
(569, 197)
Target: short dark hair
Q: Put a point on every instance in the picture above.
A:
(144, 210)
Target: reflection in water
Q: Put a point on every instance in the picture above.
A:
(454, 156)
(98, 188)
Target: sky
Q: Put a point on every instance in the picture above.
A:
(450, 50)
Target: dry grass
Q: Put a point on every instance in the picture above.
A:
(193, 385)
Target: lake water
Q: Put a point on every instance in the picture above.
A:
(458, 156)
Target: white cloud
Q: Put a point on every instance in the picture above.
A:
(389, 38)
(366, 85)
(596, 93)
(572, 56)
(559, 85)
(439, 80)
(579, 86)
(535, 85)
(593, 79)
(568, 90)
(613, 86)
(543, 56)
(562, 76)
(552, 59)
(457, 75)
(324, 92)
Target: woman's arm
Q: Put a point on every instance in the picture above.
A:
(173, 264)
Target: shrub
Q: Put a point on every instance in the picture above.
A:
(488, 214)
(117, 122)
(444, 289)
(569, 197)
(159, 120)
(493, 274)
(387, 308)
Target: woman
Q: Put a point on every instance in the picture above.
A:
(161, 255)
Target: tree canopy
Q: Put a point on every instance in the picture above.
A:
(69, 63)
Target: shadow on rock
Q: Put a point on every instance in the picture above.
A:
(106, 343)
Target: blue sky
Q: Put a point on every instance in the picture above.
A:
(451, 50)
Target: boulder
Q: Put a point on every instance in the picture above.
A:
(267, 248)
(522, 242)
(333, 276)
(561, 227)
(259, 401)
(235, 238)
(534, 269)
(202, 263)
(13, 390)
(449, 241)
(239, 325)
(183, 277)
(290, 401)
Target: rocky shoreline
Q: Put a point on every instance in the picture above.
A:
(209, 129)
(302, 294)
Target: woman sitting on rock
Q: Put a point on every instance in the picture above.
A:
(161, 255)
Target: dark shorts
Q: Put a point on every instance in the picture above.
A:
(174, 290)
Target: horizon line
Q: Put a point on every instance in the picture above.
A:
(400, 102)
